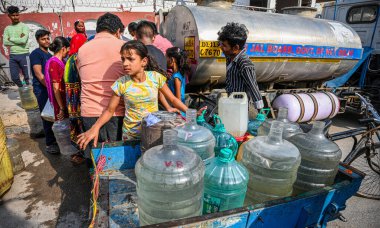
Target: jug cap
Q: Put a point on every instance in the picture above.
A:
(263, 114)
(226, 155)
(201, 118)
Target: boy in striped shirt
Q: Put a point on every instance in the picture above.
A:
(241, 76)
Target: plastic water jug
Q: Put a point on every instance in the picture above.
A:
(202, 122)
(233, 111)
(225, 183)
(28, 99)
(290, 128)
(272, 163)
(320, 159)
(199, 138)
(222, 138)
(15, 155)
(61, 131)
(169, 182)
(153, 125)
(254, 125)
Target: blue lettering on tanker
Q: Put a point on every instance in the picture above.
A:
(301, 51)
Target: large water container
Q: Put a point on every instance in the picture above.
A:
(222, 138)
(15, 155)
(289, 128)
(225, 183)
(61, 131)
(153, 125)
(199, 138)
(28, 99)
(233, 111)
(169, 182)
(272, 163)
(6, 172)
(320, 159)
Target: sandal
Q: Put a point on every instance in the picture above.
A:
(77, 159)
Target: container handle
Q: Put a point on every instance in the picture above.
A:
(236, 96)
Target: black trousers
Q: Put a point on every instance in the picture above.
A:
(110, 132)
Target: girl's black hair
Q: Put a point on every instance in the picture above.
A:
(76, 24)
(58, 43)
(180, 57)
(142, 51)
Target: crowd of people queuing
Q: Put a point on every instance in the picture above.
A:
(106, 94)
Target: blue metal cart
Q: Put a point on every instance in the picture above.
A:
(117, 202)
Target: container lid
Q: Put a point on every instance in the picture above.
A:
(261, 117)
(226, 155)
(263, 114)
(201, 118)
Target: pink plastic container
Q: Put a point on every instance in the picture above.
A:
(304, 107)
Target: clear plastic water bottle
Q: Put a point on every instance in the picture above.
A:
(61, 131)
(28, 99)
(320, 159)
(169, 182)
(272, 163)
(225, 183)
(199, 138)
(222, 138)
(15, 155)
(289, 128)
(202, 122)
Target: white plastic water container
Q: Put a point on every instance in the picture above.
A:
(233, 111)
(61, 131)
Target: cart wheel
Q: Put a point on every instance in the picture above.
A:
(369, 163)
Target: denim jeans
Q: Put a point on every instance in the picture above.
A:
(42, 97)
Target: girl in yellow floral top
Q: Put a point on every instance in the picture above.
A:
(140, 89)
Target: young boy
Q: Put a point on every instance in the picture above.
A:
(16, 37)
(38, 59)
(241, 76)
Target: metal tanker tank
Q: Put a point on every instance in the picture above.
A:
(284, 48)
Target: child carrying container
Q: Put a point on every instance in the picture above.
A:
(139, 88)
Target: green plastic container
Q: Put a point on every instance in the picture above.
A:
(225, 183)
(202, 122)
(222, 138)
(254, 125)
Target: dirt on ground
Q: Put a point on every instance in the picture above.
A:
(50, 192)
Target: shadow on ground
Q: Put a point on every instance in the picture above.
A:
(50, 192)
